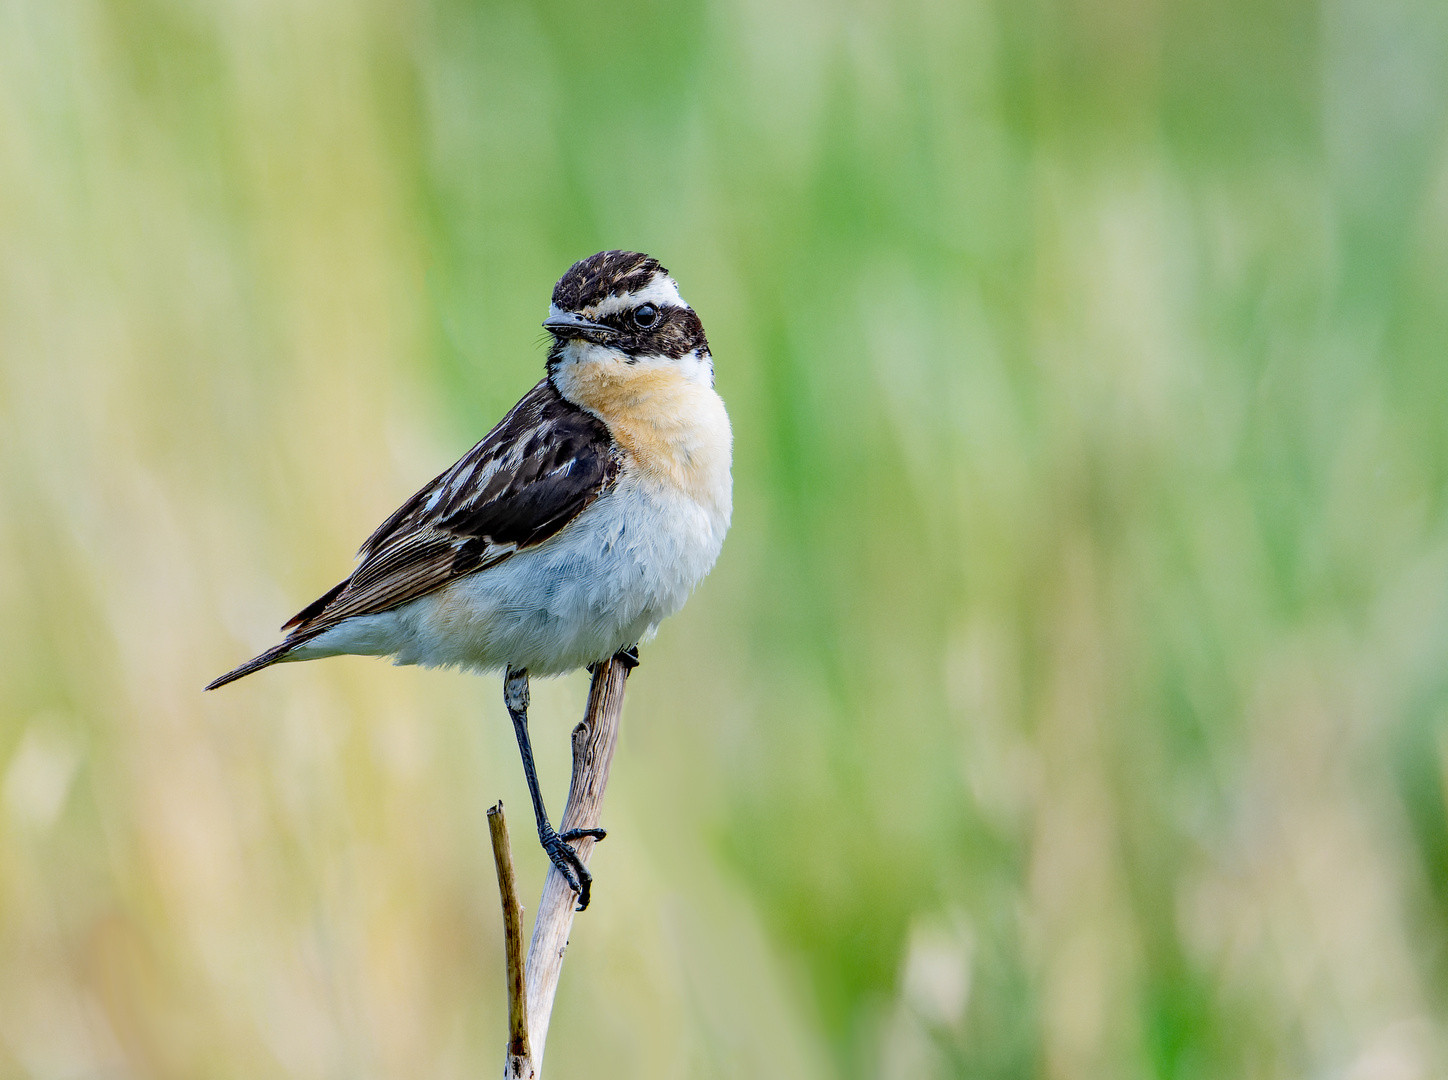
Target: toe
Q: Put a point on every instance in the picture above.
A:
(579, 834)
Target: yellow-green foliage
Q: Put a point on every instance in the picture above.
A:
(1071, 699)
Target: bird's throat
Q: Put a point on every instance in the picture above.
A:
(667, 424)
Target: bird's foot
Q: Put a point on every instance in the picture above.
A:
(568, 862)
(628, 656)
(579, 834)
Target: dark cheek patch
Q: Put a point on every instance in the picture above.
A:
(677, 333)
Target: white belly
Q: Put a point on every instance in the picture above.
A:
(603, 582)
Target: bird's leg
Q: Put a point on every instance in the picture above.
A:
(515, 697)
(628, 656)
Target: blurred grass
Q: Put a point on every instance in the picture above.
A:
(1069, 700)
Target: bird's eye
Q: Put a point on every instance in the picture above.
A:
(646, 315)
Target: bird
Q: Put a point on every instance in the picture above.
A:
(586, 517)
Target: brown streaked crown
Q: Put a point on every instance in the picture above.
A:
(609, 273)
(676, 332)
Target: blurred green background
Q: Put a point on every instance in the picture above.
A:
(1070, 700)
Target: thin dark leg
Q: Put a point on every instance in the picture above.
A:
(628, 656)
(515, 697)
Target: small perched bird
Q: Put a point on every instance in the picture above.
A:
(577, 525)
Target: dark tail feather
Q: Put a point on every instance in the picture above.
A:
(300, 635)
(256, 663)
(316, 607)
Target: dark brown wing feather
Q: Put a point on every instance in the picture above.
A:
(532, 474)
(544, 463)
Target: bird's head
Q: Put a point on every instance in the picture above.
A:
(619, 315)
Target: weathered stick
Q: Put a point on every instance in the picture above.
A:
(518, 1066)
(593, 744)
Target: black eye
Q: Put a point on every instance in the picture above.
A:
(645, 315)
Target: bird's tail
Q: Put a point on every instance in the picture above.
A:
(256, 663)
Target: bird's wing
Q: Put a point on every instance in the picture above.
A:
(531, 475)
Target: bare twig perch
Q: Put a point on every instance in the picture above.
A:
(593, 744)
(518, 1052)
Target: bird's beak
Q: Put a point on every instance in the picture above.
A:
(568, 325)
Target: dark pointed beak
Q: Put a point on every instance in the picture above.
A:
(568, 325)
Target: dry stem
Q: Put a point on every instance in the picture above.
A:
(593, 745)
(519, 1065)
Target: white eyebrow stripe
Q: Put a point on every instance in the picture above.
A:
(660, 291)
